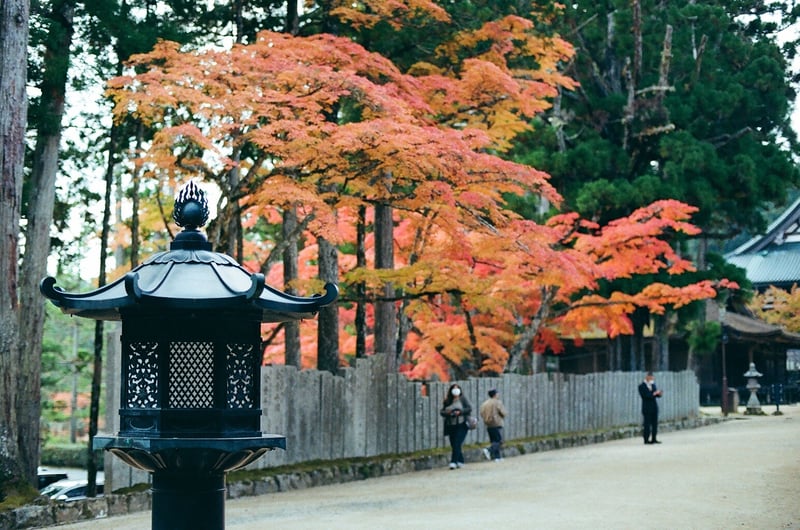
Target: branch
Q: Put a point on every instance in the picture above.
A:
(277, 252)
(162, 213)
(724, 139)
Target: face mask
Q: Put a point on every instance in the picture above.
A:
(456, 392)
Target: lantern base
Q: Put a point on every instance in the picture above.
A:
(189, 473)
(178, 455)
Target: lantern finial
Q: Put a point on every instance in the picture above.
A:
(191, 207)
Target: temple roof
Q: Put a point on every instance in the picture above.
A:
(772, 258)
(188, 277)
(746, 327)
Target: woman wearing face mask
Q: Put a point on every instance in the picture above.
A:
(455, 411)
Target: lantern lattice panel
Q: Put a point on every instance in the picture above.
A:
(143, 375)
(191, 375)
(240, 376)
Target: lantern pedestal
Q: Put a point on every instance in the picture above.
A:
(189, 474)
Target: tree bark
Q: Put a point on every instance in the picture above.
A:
(328, 319)
(361, 290)
(14, 15)
(385, 312)
(39, 216)
(291, 330)
(97, 371)
(292, 24)
(661, 346)
(136, 179)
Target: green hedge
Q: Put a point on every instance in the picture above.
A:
(68, 455)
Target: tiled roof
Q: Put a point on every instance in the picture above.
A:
(773, 258)
(775, 267)
(745, 326)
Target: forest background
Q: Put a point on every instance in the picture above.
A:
(482, 179)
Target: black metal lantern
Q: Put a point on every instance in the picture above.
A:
(191, 356)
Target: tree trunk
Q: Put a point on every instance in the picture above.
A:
(39, 216)
(292, 24)
(14, 15)
(361, 289)
(291, 329)
(661, 346)
(328, 319)
(97, 373)
(385, 312)
(136, 179)
(235, 241)
(524, 340)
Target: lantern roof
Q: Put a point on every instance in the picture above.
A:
(188, 277)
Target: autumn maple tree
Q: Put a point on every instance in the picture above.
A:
(778, 306)
(322, 127)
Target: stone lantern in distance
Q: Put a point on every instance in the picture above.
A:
(753, 404)
(191, 356)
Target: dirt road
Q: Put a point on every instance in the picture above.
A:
(744, 473)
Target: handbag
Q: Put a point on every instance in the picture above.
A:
(472, 423)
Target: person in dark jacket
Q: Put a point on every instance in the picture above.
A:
(455, 411)
(649, 394)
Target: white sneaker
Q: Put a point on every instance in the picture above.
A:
(452, 465)
(460, 465)
(496, 460)
(486, 453)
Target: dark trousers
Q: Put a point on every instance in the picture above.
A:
(496, 437)
(458, 433)
(650, 425)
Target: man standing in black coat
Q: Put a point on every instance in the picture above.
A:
(649, 393)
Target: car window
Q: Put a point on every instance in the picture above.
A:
(79, 491)
(50, 490)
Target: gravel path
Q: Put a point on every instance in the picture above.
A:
(744, 473)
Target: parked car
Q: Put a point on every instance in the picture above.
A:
(45, 477)
(69, 490)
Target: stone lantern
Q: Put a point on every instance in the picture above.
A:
(753, 405)
(191, 356)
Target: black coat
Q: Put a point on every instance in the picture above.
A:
(649, 403)
(454, 422)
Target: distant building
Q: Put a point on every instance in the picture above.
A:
(772, 258)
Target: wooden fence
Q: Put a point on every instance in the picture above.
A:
(368, 412)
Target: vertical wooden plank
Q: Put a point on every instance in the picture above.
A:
(354, 439)
(331, 425)
(276, 400)
(530, 407)
(392, 412)
(586, 405)
(404, 416)
(540, 420)
(421, 413)
(337, 408)
(360, 407)
(310, 414)
(437, 391)
(378, 416)
(513, 396)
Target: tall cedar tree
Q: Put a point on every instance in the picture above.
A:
(14, 16)
(46, 119)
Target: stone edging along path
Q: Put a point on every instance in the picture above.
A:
(45, 513)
